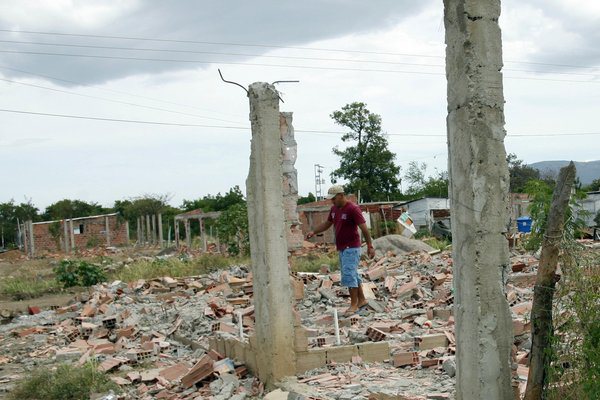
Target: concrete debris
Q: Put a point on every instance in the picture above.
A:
(153, 337)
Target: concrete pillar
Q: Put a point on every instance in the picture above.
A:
(268, 248)
(107, 230)
(138, 230)
(31, 239)
(479, 184)
(160, 231)
(289, 153)
(66, 236)
(148, 230)
(127, 232)
(203, 233)
(176, 224)
(153, 229)
(188, 234)
(72, 234)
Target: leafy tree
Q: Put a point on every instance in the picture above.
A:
(215, 203)
(10, 213)
(436, 186)
(415, 175)
(147, 204)
(368, 165)
(71, 209)
(594, 186)
(540, 193)
(308, 199)
(232, 226)
(520, 173)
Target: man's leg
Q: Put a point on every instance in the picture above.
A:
(361, 297)
(353, 299)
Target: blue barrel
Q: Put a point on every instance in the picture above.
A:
(524, 224)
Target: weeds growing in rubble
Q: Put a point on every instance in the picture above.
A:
(20, 288)
(437, 243)
(574, 372)
(312, 262)
(174, 267)
(66, 382)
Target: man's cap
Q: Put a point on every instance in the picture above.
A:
(334, 190)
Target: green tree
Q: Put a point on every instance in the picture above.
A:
(71, 209)
(520, 173)
(415, 176)
(10, 213)
(540, 193)
(215, 203)
(436, 186)
(368, 165)
(232, 226)
(308, 199)
(594, 186)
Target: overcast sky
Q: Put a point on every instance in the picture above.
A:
(386, 53)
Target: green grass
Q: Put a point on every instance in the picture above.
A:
(22, 288)
(174, 267)
(66, 382)
(313, 262)
(437, 243)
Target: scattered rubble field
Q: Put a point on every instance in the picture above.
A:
(152, 336)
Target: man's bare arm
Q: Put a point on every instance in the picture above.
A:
(367, 235)
(321, 228)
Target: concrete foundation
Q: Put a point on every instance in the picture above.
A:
(306, 359)
(479, 184)
(275, 355)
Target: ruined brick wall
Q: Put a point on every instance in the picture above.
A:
(289, 151)
(49, 237)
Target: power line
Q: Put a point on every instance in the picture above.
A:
(274, 46)
(271, 65)
(132, 121)
(275, 57)
(214, 62)
(85, 117)
(114, 101)
(109, 90)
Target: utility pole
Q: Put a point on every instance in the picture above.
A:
(319, 181)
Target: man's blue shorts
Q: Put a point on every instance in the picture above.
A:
(349, 259)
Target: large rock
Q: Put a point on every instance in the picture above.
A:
(398, 245)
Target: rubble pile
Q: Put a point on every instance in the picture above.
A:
(152, 337)
(144, 334)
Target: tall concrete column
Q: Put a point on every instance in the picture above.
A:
(107, 230)
(268, 248)
(479, 184)
(160, 231)
(148, 230)
(66, 236)
(72, 234)
(188, 234)
(31, 238)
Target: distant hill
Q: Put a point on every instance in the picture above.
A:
(586, 171)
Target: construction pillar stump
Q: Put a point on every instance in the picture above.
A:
(275, 356)
(479, 184)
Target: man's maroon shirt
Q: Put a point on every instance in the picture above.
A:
(345, 221)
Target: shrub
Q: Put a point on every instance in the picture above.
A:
(65, 382)
(574, 372)
(78, 273)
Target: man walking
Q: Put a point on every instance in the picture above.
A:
(346, 217)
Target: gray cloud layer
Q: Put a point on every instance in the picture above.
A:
(259, 21)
